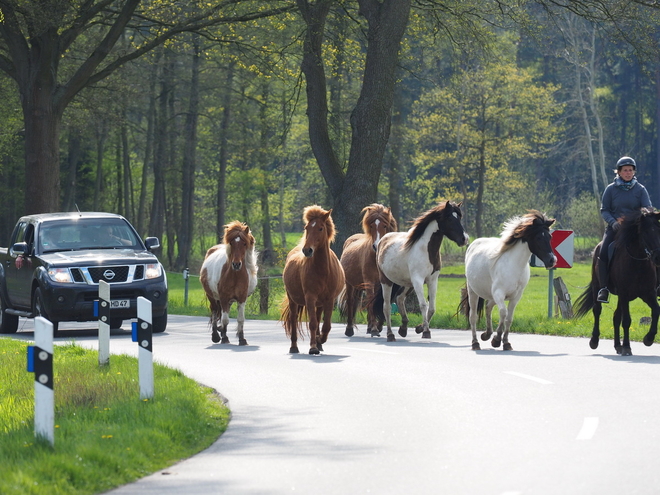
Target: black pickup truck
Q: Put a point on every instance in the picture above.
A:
(56, 260)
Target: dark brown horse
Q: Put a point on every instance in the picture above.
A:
(358, 259)
(228, 275)
(313, 278)
(632, 274)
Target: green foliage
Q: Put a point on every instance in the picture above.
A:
(105, 436)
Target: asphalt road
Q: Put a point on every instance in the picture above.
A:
(413, 416)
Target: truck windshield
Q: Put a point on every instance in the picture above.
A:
(87, 234)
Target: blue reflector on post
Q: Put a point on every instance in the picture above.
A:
(30, 358)
(96, 308)
(134, 329)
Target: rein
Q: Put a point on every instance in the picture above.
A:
(646, 250)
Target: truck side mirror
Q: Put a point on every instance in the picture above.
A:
(18, 249)
(152, 243)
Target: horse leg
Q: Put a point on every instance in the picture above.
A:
(215, 336)
(351, 309)
(506, 346)
(501, 306)
(387, 311)
(655, 313)
(292, 325)
(423, 307)
(432, 285)
(319, 337)
(595, 332)
(401, 304)
(327, 323)
(626, 321)
(372, 322)
(617, 326)
(473, 299)
(241, 320)
(225, 323)
(489, 320)
(310, 303)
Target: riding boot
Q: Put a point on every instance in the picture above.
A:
(603, 275)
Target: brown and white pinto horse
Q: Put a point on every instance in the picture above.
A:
(411, 260)
(358, 259)
(228, 275)
(313, 278)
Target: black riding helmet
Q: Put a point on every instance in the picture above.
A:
(625, 160)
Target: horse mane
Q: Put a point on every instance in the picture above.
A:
(239, 229)
(421, 222)
(375, 212)
(518, 227)
(315, 212)
(630, 227)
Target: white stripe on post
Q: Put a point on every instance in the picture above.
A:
(104, 323)
(44, 395)
(145, 354)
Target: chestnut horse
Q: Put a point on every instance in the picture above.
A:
(228, 275)
(313, 278)
(358, 259)
(411, 260)
(633, 274)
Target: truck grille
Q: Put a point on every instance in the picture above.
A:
(111, 274)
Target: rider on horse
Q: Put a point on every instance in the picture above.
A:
(623, 196)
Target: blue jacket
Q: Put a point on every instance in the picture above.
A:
(618, 202)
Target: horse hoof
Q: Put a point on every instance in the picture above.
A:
(626, 351)
(391, 338)
(319, 346)
(593, 343)
(507, 347)
(349, 332)
(375, 334)
(476, 346)
(648, 341)
(496, 342)
(313, 351)
(403, 331)
(485, 336)
(426, 334)
(293, 350)
(368, 331)
(215, 338)
(242, 342)
(225, 340)
(419, 328)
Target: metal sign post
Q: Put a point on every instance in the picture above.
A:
(143, 335)
(561, 242)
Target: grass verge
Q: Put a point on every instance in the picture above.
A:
(105, 436)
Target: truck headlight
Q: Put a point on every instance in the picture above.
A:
(153, 271)
(61, 275)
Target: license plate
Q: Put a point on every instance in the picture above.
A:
(120, 303)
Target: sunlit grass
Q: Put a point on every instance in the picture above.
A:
(105, 436)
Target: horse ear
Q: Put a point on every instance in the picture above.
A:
(327, 214)
(550, 221)
(460, 204)
(246, 230)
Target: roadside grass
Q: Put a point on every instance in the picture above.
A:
(105, 435)
(531, 315)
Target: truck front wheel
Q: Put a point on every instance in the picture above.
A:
(39, 310)
(159, 323)
(8, 323)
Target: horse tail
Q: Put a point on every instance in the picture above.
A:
(285, 314)
(464, 305)
(342, 304)
(585, 302)
(376, 303)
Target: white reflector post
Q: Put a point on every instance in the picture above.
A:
(145, 354)
(104, 323)
(44, 395)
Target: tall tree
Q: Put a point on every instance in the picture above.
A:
(38, 39)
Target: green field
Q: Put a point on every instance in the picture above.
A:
(531, 313)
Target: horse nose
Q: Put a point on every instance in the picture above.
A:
(553, 262)
(237, 265)
(467, 239)
(308, 252)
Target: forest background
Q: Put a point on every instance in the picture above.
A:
(183, 116)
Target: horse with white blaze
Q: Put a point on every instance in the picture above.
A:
(497, 270)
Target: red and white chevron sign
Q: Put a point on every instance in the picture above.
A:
(562, 245)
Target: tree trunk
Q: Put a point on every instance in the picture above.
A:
(185, 237)
(221, 198)
(371, 117)
(72, 162)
